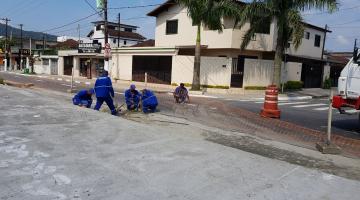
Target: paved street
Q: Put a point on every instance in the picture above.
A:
(50, 149)
(307, 113)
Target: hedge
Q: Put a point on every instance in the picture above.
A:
(255, 88)
(204, 86)
(293, 85)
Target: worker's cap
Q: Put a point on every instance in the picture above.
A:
(132, 86)
(105, 73)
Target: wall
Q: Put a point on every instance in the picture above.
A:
(124, 62)
(326, 72)
(291, 71)
(229, 38)
(215, 71)
(307, 47)
(258, 72)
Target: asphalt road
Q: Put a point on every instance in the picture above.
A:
(311, 114)
(307, 113)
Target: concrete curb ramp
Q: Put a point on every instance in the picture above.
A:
(17, 84)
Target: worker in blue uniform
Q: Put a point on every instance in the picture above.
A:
(149, 101)
(83, 98)
(132, 98)
(104, 92)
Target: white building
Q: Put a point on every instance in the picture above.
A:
(128, 34)
(65, 38)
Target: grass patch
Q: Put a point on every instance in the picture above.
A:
(255, 88)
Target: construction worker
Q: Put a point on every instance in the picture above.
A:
(149, 101)
(104, 92)
(181, 94)
(132, 98)
(83, 98)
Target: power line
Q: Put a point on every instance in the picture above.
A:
(71, 23)
(131, 7)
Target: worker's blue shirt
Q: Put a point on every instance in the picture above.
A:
(132, 98)
(82, 95)
(149, 99)
(103, 87)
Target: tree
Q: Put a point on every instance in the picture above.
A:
(290, 26)
(208, 13)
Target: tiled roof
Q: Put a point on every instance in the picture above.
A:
(147, 43)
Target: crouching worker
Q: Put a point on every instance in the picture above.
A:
(132, 98)
(104, 92)
(149, 101)
(83, 98)
(181, 94)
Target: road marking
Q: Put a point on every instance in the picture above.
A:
(67, 80)
(39, 80)
(119, 93)
(291, 103)
(352, 111)
(59, 79)
(87, 83)
(77, 81)
(309, 105)
(322, 109)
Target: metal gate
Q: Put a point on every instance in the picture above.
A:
(237, 73)
(54, 66)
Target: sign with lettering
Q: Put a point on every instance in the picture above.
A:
(89, 48)
(24, 52)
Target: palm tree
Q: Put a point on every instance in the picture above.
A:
(207, 13)
(290, 26)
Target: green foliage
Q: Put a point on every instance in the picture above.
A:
(327, 83)
(290, 26)
(255, 88)
(293, 85)
(1, 81)
(215, 86)
(174, 84)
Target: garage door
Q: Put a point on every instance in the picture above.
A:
(158, 69)
(311, 75)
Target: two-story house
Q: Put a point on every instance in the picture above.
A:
(223, 63)
(128, 34)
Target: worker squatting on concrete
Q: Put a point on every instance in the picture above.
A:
(149, 101)
(132, 98)
(104, 92)
(83, 98)
(181, 94)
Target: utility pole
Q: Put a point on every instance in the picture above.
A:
(119, 27)
(106, 63)
(21, 45)
(323, 48)
(6, 43)
(43, 51)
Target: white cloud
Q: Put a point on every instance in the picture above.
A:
(342, 40)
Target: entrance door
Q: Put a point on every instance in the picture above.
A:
(54, 66)
(158, 69)
(68, 65)
(237, 71)
(311, 75)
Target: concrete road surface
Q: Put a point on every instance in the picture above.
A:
(50, 149)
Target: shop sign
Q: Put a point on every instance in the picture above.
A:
(89, 48)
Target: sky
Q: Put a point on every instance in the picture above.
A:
(43, 15)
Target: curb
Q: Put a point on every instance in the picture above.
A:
(289, 98)
(17, 84)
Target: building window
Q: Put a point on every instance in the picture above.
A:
(317, 40)
(95, 41)
(114, 41)
(98, 27)
(307, 35)
(128, 30)
(171, 27)
(125, 42)
(265, 28)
